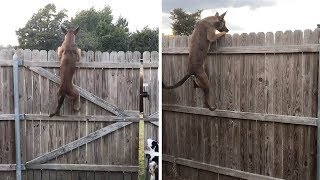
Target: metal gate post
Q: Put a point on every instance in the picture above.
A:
(17, 114)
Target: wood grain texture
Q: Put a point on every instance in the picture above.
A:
(216, 169)
(242, 115)
(78, 143)
(41, 134)
(83, 167)
(264, 85)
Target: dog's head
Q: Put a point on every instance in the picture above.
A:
(153, 144)
(221, 24)
(70, 34)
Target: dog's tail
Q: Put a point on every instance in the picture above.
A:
(60, 101)
(186, 77)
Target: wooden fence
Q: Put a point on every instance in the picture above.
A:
(265, 89)
(98, 142)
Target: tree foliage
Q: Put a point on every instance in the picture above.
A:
(98, 31)
(145, 40)
(42, 30)
(183, 23)
(115, 37)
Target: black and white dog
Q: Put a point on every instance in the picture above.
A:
(153, 158)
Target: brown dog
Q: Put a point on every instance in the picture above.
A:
(203, 35)
(68, 54)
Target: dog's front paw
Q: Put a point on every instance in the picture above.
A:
(223, 33)
(214, 107)
(54, 114)
(76, 109)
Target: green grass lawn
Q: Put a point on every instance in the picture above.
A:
(142, 172)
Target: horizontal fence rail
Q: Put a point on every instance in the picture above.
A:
(96, 65)
(30, 117)
(251, 49)
(71, 167)
(310, 121)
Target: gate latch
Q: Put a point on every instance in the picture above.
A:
(145, 93)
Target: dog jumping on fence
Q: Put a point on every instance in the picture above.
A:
(68, 55)
(203, 35)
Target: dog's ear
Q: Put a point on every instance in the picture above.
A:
(75, 32)
(64, 30)
(222, 15)
(217, 14)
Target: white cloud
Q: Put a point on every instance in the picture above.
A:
(193, 5)
(15, 13)
(283, 15)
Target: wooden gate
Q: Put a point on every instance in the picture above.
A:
(99, 141)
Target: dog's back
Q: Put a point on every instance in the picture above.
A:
(199, 44)
(68, 58)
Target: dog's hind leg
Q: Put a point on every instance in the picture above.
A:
(75, 97)
(195, 82)
(61, 97)
(203, 82)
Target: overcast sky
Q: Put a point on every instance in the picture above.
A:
(14, 14)
(251, 15)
